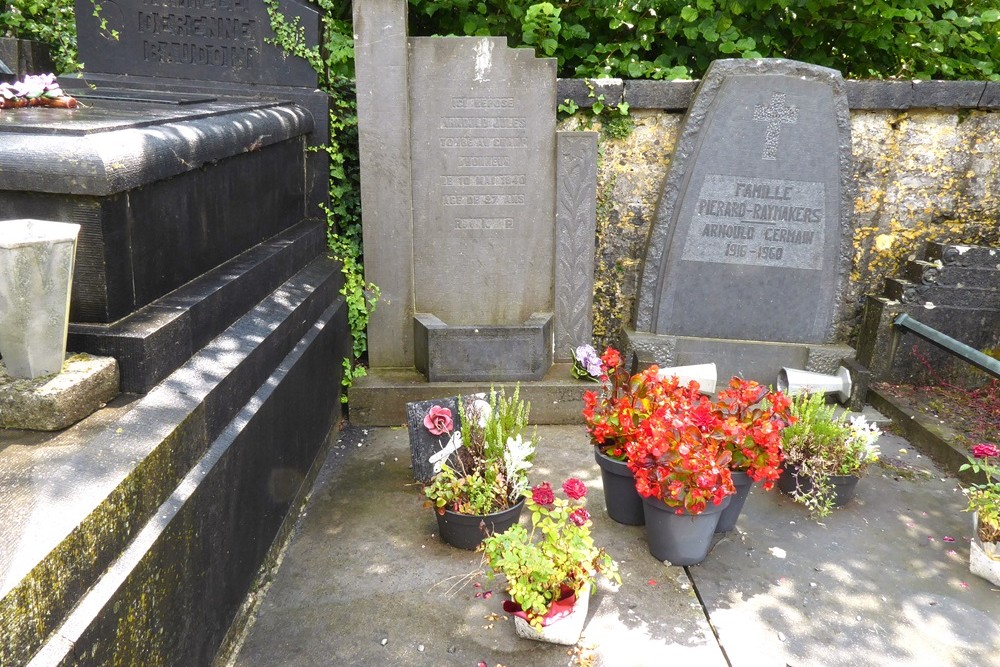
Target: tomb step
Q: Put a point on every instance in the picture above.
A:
(932, 296)
(154, 341)
(934, 273)
(961, 255)
(85, 501)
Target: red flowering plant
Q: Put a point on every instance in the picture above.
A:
(751, 420)
(679, 455)
(543, 568)
(614, 415)
(984, 496)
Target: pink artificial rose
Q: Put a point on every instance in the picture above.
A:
(579, 516)
(574, 488)
(542, 494)
(984, 450)
(438, 420)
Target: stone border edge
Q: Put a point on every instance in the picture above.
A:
(862, 95)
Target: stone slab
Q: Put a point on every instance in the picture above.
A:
(667, 95)
(202, 219)
(576, 225)
(90, 500)
(872, 95)
(54, 402)
(584, 92)
(750, 239)
(380, 398)
(423, 443)
(653, 619)
(156, 340)
(484, 155)
(226, 41)
(380, 61)
(947, 94)
(883, 581)
(482, 353)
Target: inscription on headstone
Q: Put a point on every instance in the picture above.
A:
(749, 240)
(210, 40)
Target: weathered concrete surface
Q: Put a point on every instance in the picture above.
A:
(52, 402)
(364, 566)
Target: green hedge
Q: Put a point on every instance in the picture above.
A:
(675, 39)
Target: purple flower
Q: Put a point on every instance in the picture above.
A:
(587, 358)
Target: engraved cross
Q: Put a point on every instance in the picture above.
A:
(775, 115)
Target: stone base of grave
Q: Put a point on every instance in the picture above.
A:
(380, 398)
(54, 402)
(749, 359)
(482, 353)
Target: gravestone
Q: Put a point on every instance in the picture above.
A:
(478, 216)
(748, 255)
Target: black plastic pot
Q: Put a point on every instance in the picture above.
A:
(844, 486)
(466, 531)
(743, 484)
(681, 539)
(622, 500)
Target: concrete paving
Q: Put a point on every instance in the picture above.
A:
(884, 581)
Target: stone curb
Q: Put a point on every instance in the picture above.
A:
(863, 95)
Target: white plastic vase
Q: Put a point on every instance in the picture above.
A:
(704, 374)
(792, 381)
(565, 631)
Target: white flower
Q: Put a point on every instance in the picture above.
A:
(516, 455)
(863, 436)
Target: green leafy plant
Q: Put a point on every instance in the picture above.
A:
(984, 497)
(821, 444)
(553, 560)
(677, 39)
(491, 455)
(49, 21)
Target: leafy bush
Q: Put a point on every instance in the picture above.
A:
(677, 39)
(50, 21)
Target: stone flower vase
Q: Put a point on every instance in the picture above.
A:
(622, 500)
(984, 557)
(681, 539)
(562, 625)
(743, 484)
(466, 531)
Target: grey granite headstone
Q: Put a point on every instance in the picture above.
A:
(750, 237)
(423, 443)
(483, 147)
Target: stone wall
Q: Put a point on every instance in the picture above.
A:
(924, 171)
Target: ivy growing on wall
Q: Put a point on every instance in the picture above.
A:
(333, 61)
(677, 39)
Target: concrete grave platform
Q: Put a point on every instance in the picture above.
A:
(53, 402)
(366, 581)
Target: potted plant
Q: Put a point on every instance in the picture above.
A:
(751, 421)
(681, 468)
(825, 454)
(550, 570)
(480, 490)
(613, 417)
(984, 501)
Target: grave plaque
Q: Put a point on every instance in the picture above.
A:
(483, 146)
(749, 240)
(424, 444)
(203, 40)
